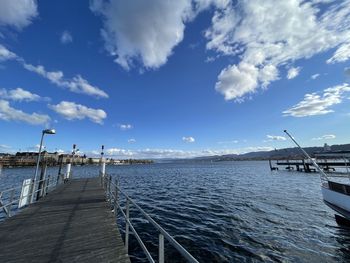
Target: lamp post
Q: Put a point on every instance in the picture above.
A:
(47, 131)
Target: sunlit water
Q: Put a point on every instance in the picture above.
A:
(226, 212)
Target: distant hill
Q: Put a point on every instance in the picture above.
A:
(280, 154)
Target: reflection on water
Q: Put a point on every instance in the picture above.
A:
(225, 212)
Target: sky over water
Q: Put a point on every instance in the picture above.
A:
(173, 78)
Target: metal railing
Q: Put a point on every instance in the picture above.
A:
(112, 193)
(11, 198)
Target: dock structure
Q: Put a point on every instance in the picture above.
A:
(300, 165)
(307, 167)
(328, 161)
(73, 223)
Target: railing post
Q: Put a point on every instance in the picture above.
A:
(104, 182)
(127, 226)
(109, 187)
(161, 248)
(3, 205)
(116, 201)
(47, 183)
(10, 205)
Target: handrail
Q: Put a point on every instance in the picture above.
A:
(18, 187)
(6, 205)
(10, 189)
(30, 194)
(107, 183)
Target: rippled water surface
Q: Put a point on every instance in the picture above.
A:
(227, 212)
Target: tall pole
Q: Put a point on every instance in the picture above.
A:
(69, 165)
(37, 166)
(103, 164)
(323, 174)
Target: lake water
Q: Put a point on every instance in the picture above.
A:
(226, 211)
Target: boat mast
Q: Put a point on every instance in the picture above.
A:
(323, 174)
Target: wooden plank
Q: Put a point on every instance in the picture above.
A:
(71, 224)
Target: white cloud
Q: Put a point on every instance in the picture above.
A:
(316, 104)
(4, 146)
(274, 33)
(35, 148)
(6, 54)
(77, 84)
(267, 74)
(146, 32)
(131, 140)
(19, 94)
(342, 54)
(17, 13)
(174, 153)
(275, 138)
(325, 137)
(66, 37)
(60, 151)
(8, 113)
(228, 142)
(235, 81)
(293, 72)
(188, 139)
(6, 149)
(315, 76)
(125, 127)
(119, 152)
(72, 111)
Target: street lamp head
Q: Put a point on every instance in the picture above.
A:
(49, 131)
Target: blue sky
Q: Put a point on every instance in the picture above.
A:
(173, 78)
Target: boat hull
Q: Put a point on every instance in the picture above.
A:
(339, 202)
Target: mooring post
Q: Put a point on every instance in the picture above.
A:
(304, 165)
(307, 168)
(346, 165)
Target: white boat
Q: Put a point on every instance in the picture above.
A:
(335, 189)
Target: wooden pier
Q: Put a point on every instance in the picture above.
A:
(305, 166)
(73, 223)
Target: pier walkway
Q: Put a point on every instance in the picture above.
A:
(73, 223)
